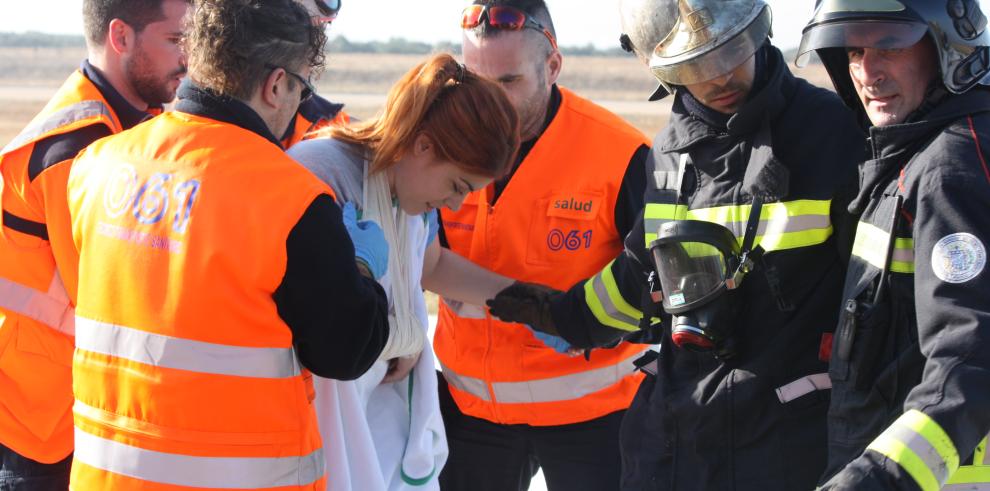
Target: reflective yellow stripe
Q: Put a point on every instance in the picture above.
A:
(197, 471)
(553, 389)
(51, 308)
(786, 225)
(657, 214)
(903, 258)
(907, 459)
(871, 246)
(970, 477)
(973, 477)
(921, 447)
(601, 293)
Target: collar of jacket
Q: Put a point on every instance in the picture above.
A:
(685, 130)
(893, 146)
(314, 110)
(201, 101)
(128, 115)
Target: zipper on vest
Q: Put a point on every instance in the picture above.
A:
(489, 329)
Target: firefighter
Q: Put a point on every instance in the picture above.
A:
(746, 231)
(911, 361)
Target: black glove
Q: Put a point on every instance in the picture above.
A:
(525, 303)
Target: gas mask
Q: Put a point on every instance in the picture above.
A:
(699, 264)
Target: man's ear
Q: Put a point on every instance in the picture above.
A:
(272, 87)
(121, 37)
(554, 64)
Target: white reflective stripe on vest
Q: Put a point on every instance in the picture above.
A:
(51, 308)
(471, 385)
(804, 385)
(971, 486)
(464, 310)
(199, 472)
(554, 389)
(184, 354)
(63, 117)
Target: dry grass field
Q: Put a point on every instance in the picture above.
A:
(28, 77)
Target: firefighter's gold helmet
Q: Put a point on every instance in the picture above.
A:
(692, 41)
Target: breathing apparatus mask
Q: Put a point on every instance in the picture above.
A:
(699, 265)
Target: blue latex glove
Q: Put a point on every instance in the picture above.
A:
(369, 241)
(556, 342)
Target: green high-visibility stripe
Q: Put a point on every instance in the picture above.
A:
(601, 294)
(871, 246)
(921, 447)
(787, 225)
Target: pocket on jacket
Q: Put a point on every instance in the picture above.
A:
(564, 228)
(38, 340)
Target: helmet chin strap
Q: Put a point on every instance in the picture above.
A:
(934, 95)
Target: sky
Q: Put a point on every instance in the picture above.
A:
(578, 22)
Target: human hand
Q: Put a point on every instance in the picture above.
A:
(370, 245)
(399, 368)
(525, 303)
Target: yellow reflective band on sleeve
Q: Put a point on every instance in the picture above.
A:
(921, 447)
(903, 259)
(787, 225)
(871, 246)
(602, 295)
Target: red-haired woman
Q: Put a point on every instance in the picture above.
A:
(443, 133)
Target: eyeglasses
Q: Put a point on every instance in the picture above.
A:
(503, 17)
(308, 89)
(328, 9)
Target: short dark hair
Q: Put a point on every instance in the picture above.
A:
(233, 44)
(97, 15)
(537, 9)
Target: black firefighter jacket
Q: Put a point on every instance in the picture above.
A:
(757, 421)
(911, 364)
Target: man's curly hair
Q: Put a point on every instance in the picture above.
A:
(232, 44)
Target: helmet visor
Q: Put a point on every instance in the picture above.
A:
(688, 271)
(859, 34)
(691, 68)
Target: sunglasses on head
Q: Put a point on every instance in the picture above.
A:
(502, 17)
(328, 10)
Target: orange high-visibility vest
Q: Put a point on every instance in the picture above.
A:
(304, 128)
(554, 224)
(36, 318)
(184, 374)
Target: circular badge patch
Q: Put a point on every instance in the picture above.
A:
(958, 258)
